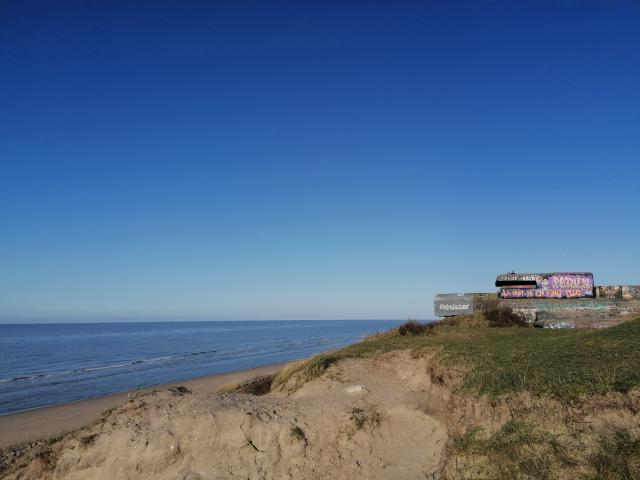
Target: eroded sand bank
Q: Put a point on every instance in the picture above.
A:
(46, 422)
(363, 419)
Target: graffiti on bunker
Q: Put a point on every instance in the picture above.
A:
(552, 285)
(545, 293)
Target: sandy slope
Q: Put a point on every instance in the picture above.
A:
(45, 422)
(363, 419)
(377, 418)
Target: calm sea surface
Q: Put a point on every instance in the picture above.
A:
(47, 364)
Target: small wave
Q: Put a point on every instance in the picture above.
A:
(17, 379)
(105, 367)
(87, 369)
(126, 364)
(205, 352)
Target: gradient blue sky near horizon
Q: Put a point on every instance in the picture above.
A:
(302, 160)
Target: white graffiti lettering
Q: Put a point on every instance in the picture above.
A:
(454, 306)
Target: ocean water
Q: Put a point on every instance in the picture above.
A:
(47, 364)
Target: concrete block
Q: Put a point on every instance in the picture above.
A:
(631, 292)
(609, 291)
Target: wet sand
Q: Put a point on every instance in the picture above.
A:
(41, 423)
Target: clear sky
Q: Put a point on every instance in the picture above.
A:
(268, 160)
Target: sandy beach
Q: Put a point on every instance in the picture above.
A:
(46, 422)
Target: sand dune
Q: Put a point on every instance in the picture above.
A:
(46, 422)
(363, 419)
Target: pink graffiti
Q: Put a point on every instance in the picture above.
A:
(553, 293)
(574, 292)
(571, 281)
(545, 293)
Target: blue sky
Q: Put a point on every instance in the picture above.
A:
(272, 160)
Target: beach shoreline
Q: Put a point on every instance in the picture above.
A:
(45, 422)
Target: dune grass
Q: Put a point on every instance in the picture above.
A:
(566, 364)
(518, 449)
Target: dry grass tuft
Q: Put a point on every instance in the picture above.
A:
(298, 433)
(180, 390)
(254, 386)
(503, 317)
(618, 457)
(365, 417)
(296, 374)
(517, 450)
(88, 440)
(46, 457)
(414, 327)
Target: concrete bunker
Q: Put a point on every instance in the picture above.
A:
(550, 300)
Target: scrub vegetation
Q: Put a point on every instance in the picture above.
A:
(618, 457)
(566, 364)
(255, 386)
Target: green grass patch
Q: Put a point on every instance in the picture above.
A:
(567, 364)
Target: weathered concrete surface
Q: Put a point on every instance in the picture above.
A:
(630, 292)
(626, 292)
(451, 304)
(574, 313)
(614, 305)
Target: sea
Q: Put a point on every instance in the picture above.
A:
(49, 364)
